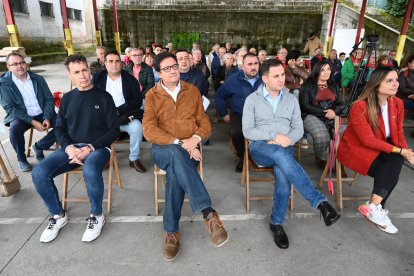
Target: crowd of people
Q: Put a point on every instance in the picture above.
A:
(158, 93)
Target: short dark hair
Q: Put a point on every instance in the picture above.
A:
(180, 51)
(265, 68)
(342, 53)
(294, 54)
(113, 52)
(13, 53)
(75, 58)
(160, 57)
(311, 34)
(249, 55)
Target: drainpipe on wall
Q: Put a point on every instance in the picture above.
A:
(11, 25)
(403, 35)
(66, 28)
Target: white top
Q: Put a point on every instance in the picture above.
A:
(173, 94)
(29, 97)
(384, 110)
(115, 89)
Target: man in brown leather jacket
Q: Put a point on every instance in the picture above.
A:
(175, 123)
(294, 75)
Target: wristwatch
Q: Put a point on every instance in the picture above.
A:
(180, 142)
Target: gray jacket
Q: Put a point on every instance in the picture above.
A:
(259, 122)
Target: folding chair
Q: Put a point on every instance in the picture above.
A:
(338, 179)
(113, 165)
(159, 176)
(247, 178)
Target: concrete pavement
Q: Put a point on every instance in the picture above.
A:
(131, 241)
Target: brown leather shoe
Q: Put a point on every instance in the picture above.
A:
(215, 227)
(171, 246)
(137, 165)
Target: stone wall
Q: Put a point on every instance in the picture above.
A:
(265, 30)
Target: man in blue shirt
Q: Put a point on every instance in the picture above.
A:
(236, 89)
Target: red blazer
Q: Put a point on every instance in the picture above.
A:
(359, 145)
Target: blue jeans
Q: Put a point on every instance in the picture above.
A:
(182, 178)
(19, 127)
(134, 130)
(58, 163)
(286, 171)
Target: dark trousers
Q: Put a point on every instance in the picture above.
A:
(236, 133)
(19, 127)
(385, 170)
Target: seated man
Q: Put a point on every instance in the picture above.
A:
(175, 122)
(99, 64)
(272, 123)
(86, 126)
(125, 91)
(191, 75)
(236, 89)
(28, 102)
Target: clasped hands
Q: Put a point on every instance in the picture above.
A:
(190, 145)
(77, 155)
(45, 125)
(281, 140)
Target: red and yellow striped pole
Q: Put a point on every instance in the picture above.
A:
(97, 27)
(116, 30)
(66, 28)
(329, 46)
(361, 21)
(11, 25)
(403, 35)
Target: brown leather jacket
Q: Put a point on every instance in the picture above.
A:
(293, 76)
(165, 120)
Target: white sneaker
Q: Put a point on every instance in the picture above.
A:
(390, 228)
(304, 143)
(52, 230)
(377, 215)
(94, 228)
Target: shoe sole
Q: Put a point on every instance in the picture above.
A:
(379, 225)
(97, 235)
(172, 259)
(332, 222)
(57, 233)
(25, 170)
(222, 243)
(385, 230)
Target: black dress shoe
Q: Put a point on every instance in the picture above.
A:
(239, 166)
(280, 236)
(329, 214)
(137, 165)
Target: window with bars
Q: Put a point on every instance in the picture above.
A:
(19, 6)
(46, 9)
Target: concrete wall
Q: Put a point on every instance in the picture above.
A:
(40, 31)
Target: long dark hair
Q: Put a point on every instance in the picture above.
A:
(316, 71)
(370, 94)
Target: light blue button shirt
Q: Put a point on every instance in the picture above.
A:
(269, 98)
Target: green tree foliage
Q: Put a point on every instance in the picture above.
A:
(396, 8)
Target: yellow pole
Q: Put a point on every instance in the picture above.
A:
(329, 47)
(400, 47)
(98, 38)
(118, 42)
(68, 41)
(14, 35)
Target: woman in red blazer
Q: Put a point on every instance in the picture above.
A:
(373, 143)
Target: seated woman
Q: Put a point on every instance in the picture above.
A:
(374, 142)
(227, 65)
(349, 68)
(320, 100)
(149, 60)
(406, 88)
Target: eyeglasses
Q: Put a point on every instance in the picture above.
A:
(167, 69)
(18, 63)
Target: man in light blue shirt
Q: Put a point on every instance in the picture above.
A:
(272, 122)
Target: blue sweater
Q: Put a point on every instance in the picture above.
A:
(236, 88)
(196, 77)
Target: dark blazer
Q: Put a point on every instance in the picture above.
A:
(146, 77)
(360, 145)
(12, 101)
(130, 90)
(307, 96)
